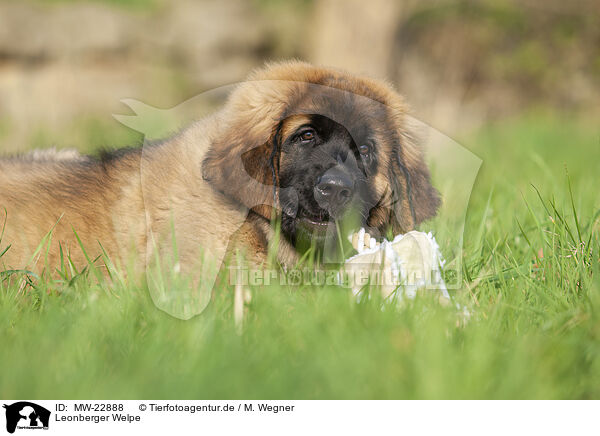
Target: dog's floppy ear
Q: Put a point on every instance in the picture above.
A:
(414, 198)
(242, 161)
(410, 198)
(244, 171)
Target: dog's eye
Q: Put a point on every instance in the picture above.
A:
(307, 135)
(364, 149)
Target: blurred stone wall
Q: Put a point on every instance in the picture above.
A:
(63, 62)
(459, 63)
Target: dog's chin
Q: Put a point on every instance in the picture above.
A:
(312, 230)
(319, 231)
(309, 230)
(314, 226)
(320, 234)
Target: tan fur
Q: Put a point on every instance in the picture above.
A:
(211, 181)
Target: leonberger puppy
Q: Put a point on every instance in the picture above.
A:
(316, 150)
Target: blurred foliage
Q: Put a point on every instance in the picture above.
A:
(4, 128)
(533, 48)
(87, 134)
(127, 4)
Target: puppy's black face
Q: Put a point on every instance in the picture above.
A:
(328, 168)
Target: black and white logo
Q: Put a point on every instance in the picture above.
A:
(26, 415)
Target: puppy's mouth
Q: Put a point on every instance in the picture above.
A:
(323, 232)
(315, 223)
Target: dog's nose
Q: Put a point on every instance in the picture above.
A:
(334, 191)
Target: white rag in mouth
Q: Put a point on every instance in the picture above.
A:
(400, 267)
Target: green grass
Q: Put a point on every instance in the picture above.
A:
(532, 283)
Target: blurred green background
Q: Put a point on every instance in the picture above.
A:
(66, 64)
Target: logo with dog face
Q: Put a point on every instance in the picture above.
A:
(26, 415)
